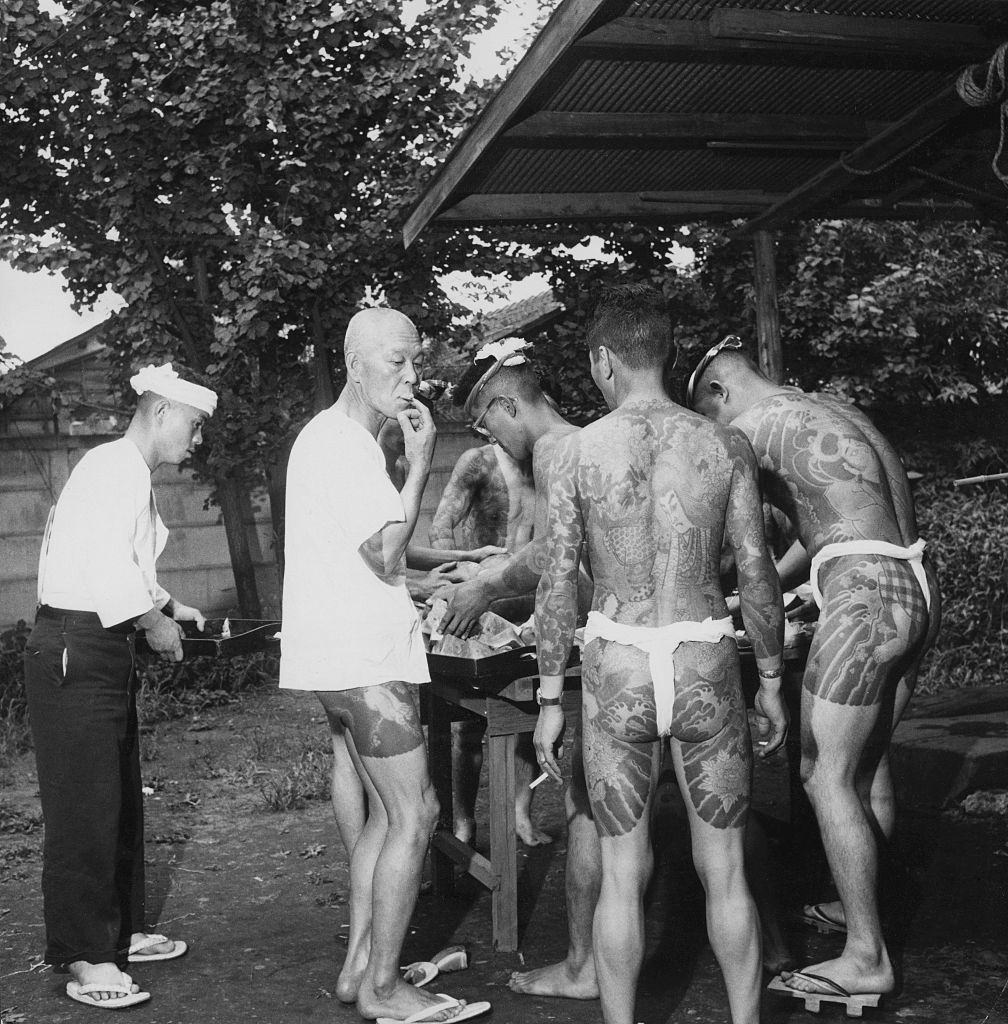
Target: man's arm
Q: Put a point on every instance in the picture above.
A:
(467, 478)
(557, 595)
(520, 574)
(759, 586)
(383, 551)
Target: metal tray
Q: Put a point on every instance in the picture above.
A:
(508, 665)
(247, 637)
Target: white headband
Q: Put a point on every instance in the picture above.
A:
(507, 351)
(164, 381)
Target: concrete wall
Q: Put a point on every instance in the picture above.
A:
(195, 564)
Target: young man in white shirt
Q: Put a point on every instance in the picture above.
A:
(97, 585)
(351, 633)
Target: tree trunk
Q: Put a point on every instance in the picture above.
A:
(233, 499)
(768, 338)
(231, 493)
(325, 393)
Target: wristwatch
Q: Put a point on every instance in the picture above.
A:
(546, 702)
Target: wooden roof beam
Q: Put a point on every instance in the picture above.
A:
(602, 206)
(564, 26)
(824, 41)
(558, 128)
(876, 155)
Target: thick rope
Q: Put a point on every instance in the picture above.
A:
(994, 89)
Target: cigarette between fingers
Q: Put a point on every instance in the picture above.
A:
(542, 778)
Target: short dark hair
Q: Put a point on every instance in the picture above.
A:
(633, 321)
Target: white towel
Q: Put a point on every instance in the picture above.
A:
(913, 555)
(659, 643)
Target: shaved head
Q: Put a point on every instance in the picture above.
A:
(372, 326)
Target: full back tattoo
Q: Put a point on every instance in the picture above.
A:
(831, 472)
(649, 492)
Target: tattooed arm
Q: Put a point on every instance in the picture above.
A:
(457, 499)
(519, 574)
(759, 588)
(557, 595)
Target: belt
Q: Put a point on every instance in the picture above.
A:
(912, 555)
(76, 617)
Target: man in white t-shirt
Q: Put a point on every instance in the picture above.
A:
(351, 633)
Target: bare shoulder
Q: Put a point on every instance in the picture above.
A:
(475, 463)
(563, 440)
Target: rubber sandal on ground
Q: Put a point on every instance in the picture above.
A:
(829, 992)
(82, 994)
(451, 958)
(813, 914)
(420, 973)
(137, 955)
(447, 1002)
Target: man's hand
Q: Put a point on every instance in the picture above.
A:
(164, 636)
(771, 719)
(487, 551)
(466, 603)
(423, 588)
(419, 435)
(548, 733)
(184, 613)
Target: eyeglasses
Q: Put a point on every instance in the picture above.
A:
(731, 341)
(477, 424)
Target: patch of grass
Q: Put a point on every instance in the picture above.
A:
(15, 735)
(308, 778)
(17, 822)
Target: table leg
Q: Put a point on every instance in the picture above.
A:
(503, 843)
(440, 759)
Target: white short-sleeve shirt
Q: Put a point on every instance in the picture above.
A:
(104, 537)
(343, 627)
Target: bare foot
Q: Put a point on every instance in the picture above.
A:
(529, 834)
(401, 1001)
(560, 980)
(85, 973)
(349, 980)
(465, 831)
(858, 977)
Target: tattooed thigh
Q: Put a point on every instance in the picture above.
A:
(872, 623)
(383, 720)
(620, 746)
(710, 725)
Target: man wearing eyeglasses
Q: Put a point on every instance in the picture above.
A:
(846, 493)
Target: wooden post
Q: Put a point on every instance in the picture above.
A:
(767, 317)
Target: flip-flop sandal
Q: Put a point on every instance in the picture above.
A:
(447, 1002)
(451, 958)
(420, 973)
(813, 914)
(82, 994)
(137, 956)
(830, 992)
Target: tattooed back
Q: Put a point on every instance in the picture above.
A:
(653, 482)
(821, 469)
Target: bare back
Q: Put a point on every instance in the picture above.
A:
(822, 470)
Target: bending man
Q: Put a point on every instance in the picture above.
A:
(647, 493)
(847, 496)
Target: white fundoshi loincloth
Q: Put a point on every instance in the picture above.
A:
(659, 643)
(913, 555)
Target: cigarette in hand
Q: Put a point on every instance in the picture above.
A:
(542, 778)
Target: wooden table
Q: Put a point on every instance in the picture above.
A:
(501, 690)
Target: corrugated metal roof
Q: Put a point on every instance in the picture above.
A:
(762, 62)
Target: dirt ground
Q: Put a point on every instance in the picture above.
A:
(260, 895)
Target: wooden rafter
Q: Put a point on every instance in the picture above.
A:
(662, 39)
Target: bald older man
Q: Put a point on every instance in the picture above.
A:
(351, 634)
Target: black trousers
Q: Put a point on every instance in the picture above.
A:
(81, 686)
